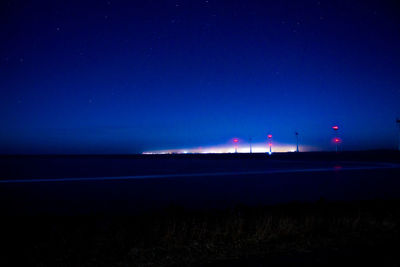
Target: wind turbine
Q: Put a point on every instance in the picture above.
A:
(236, 141)
(336, 140)
(270, 143)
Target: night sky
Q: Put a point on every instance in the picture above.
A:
(133, 76)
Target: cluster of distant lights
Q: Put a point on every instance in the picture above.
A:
(235, 146)
(222, 149)
(243, 147)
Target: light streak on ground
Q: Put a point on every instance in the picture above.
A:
(379, 166)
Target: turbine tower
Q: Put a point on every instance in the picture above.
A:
(270, 143)
(297, 141)
(236, 141)
(336, 140)
(251, 150)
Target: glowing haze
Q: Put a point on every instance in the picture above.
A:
(230, 148)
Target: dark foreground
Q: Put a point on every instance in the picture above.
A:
(362, 233)
(307, 209)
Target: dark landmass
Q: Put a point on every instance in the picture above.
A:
(65, 166)
(374, 155)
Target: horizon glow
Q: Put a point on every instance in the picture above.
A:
(242, 148)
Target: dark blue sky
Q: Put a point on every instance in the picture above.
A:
(129, 76)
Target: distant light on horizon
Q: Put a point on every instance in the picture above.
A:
(221, 149)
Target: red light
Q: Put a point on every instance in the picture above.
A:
(335, 127)
(270, 136)
(337, 140)
(235, 140)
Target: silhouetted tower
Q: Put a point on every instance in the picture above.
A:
(398, 123)
(250, 139)
(270, 143)
(297, 141)
(236, 141)
(336, 139)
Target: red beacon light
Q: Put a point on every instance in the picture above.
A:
(270, 136)
(336, 140)
(335, 127)
(235, 140)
